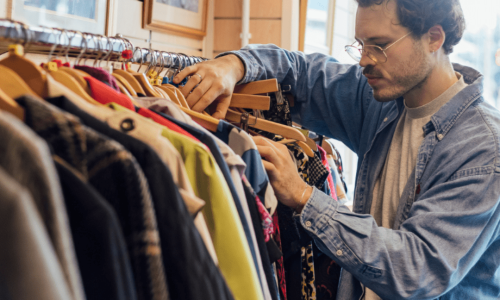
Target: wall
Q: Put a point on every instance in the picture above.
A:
(271, 21)
(125, 17)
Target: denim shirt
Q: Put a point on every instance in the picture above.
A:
(445, 241)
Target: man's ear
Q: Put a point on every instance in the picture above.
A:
(437, 36)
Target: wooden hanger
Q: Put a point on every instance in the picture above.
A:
(125, 84)
(307, 150)
(10, 105)
(272, 127)
(208, 122)
(311, 143)
(13, 85)
(171, 95)
(327, 146)
(258, 87)
(178, 94)
(78, 75)
(131, 80)
(31, 73)
(250, 101)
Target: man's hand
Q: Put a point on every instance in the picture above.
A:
(290, 189)
(212, 80)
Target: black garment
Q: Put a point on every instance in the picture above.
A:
(259, 234)
(191, 272)
(99, 243)
(216, 153)
(115, 174)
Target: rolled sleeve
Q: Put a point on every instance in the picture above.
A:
(248, 61)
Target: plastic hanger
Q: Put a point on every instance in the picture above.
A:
(30, 72)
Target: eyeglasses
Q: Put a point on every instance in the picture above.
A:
(375, 53)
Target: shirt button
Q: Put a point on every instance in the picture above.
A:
(340, 253)
(308, 223)
(440, 136)
(127, 125)
(385, 120)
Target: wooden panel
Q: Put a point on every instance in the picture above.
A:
(265, 32)
(227, 35)
(258, 8)
(266, 8)
(129, 19)
(176, 40)
(5, 6)
(176, 49)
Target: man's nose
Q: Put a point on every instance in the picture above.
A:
(366, 60)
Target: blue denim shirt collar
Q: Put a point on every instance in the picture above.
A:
(444, 119)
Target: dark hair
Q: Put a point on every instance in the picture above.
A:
(420, 15)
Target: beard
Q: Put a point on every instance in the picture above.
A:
(409, 75)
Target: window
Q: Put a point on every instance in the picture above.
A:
(329, 27)
(479, 44)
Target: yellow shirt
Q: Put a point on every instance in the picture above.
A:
(224, 224)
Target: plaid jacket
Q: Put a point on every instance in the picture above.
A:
(115, 174)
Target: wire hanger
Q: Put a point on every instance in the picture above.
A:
(78, 75)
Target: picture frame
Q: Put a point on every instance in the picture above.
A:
(82, 15)
(186, 18)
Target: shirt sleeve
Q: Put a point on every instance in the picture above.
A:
(441, 242)
(330, 98)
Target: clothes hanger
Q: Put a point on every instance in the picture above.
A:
(305, 147)
(265, 125)
(13, 85)
(10, 105)
(327, 146)
(62, 77)
(141, 78)
(30, 72)
(250, 101)
(78, 75)
(127, 76)
(257, 87)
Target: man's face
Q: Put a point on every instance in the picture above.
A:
(407, 66)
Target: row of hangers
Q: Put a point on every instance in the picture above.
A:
(21, 76)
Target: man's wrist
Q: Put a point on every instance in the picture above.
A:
(306, 194)
(239, 66)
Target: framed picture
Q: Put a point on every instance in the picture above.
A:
(82, 15)
(179, 17)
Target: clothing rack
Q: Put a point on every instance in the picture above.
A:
(71, 43)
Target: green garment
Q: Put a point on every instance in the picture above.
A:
(224, 224)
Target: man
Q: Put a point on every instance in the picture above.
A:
(426, 220)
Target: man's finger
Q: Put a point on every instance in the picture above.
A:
(192, 82)
(206, 100)
(270, 169)
(222, 106)
(197, 93)
(184, 73)
(270, 155)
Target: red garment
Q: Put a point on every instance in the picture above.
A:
(167, 123)
(324, 160)
(280, 268)
(103, 94)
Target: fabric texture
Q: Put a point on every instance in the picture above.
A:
(324, 161)
(115, 174)
(189, 262)
(26, 158)
(101, 75)
(100, 246)
(105, 94)
(29, 267)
